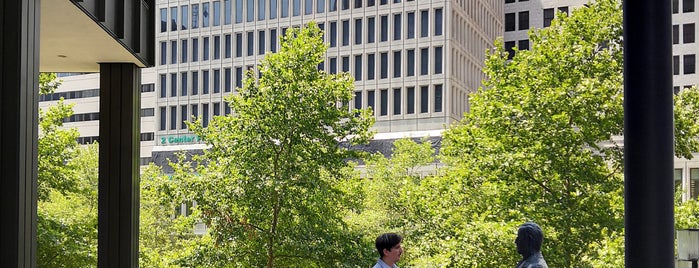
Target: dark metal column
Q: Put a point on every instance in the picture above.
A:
(648, 134)
(120, 105)
(19, 76)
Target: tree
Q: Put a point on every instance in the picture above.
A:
(273, 186)
(538, 142)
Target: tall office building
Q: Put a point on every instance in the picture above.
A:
(521, 15)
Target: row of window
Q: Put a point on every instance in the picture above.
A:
(246, 41)
(688, 62)
(190, 113)
(397, 63)
(688, 33)
(147, 136)
(145, 112)
(521, 45)
(512, 1)
(676, 89)
(398, 101)
(520, 21)
(86, 93)
(245, 10)
(687, 6)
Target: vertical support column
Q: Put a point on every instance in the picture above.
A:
(19, 76)
(648, 134)
(120, 106)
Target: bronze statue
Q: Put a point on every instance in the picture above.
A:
(529, 239)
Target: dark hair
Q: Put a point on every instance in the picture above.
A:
(387, 241)
(533, 233)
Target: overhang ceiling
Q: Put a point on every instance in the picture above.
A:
(72, 42)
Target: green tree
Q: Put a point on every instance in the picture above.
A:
(273, 186)
(538, 142)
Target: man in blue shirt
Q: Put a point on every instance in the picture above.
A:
(388, 246)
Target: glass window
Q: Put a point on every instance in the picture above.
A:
(675, 6)
(163, 118)
(345, 4)
(273, 40)
(184, 116)
(308, 7)
(184, 10)
(687, 6)
(227, 108)
(437, 98)
(251, 43)
(370, 100)
(297, 7)
(358, 31)
(195, 49)
(675, 34)
(227, 46)
(195, 82)
(206, 49)
(227, 12)
(410, 64)
(333, 34)
(438, 60)
(688, 33)
(384, 28)
(510, 22)
(250, 10)
(217, 47)
(438, 21)
(411, 25)
(285, 8)
(383, 2)
(217, 109)
(510, 48)
(183, 83)
(217, 81)
(358, 67)
(173, 85)
(524, 20)
(272, 9)
(205, 15)
(227, 80)
(383, 111)
(217, 13)
(396, 26)
(396, 63)
(163, 53)
(195, 16)
(261, 9)
(345, 64)
(238, 11)
(163, 86)
(205, 83)
(371, 66)
(424, 99)
(173, 50)
(424, 61)
(173, 18)
(238, 45)
(333, 65)
(205, 114)
(163, 20)
(424, 23)
(261, 42)
(396, 101)
(370, 3)
(332, 6)
(238, 77)
(184, 51)
(357, 100)
(410, 105)
(320, 6)
(195, 112)
(689, 64)
(563, 10)
(371, 30)
(345, 32)
(548, 17)
(384, 65)
(675, 65)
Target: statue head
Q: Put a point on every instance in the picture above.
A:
(529, 239)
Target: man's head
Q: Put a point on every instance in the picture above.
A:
(388, 246)
(529, 238)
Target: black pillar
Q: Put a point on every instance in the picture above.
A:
(19, 76)
(120, 105)
(648, 134)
